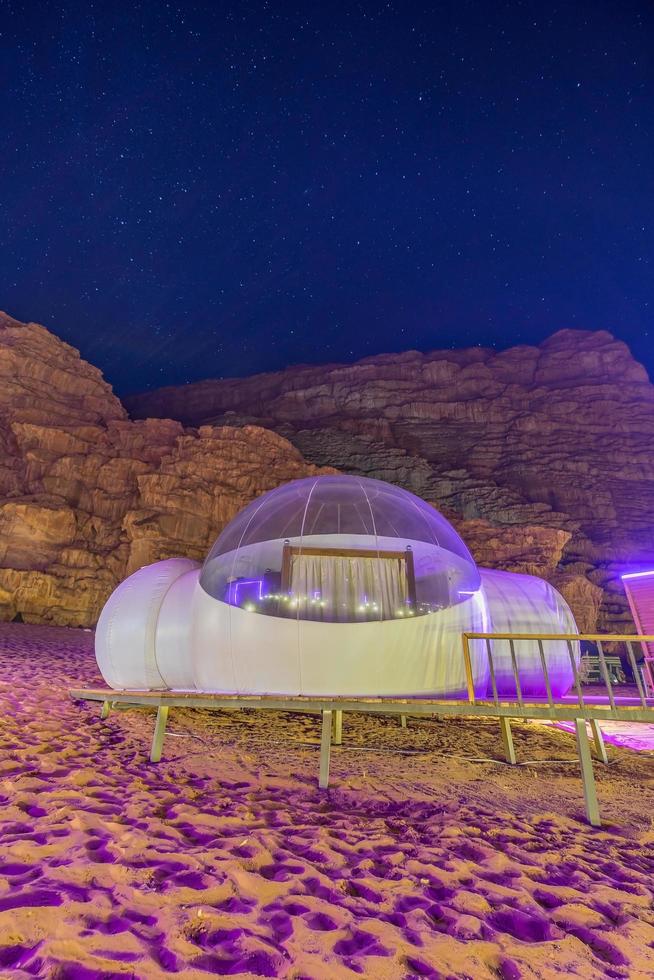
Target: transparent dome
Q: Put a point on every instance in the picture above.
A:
(340, 549)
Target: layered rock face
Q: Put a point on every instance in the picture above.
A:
(87, 496)
(542, 456)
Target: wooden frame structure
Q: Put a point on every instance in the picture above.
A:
(291, 551)
(578, 709)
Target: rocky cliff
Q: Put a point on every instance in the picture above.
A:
(86, 495)
(543, 456)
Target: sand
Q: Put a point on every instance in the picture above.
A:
(226, 859)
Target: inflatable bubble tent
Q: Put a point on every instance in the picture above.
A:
(334, 585)
(339, 549)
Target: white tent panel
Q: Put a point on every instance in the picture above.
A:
(125, 646)
(526, 604)
(174, 632)
(272, 655)
(333, 585)
(160, 630)
(413, 656)
(211, 657)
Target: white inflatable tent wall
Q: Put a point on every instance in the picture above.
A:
(174, 626)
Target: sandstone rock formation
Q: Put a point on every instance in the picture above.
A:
(543, 456)
(86, 496)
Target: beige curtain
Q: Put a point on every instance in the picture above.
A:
(348, 589)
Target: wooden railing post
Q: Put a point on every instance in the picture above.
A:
(491, 667)
(516, 672)
(470, 681)
(543, 661)
(636, 672)
(605, 673)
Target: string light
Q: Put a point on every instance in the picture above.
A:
(314, 601)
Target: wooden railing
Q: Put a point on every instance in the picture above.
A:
(571, 640)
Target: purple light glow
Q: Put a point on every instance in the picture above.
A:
(235, 586)
(636, 575)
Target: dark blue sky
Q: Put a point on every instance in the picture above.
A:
(198, 189)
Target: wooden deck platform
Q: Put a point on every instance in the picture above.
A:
(331, 709)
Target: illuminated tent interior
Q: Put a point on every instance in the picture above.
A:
(336, 585)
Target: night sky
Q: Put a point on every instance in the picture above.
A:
(214, 189)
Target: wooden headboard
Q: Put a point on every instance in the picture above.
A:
(407, 556)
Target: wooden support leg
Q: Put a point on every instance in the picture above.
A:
(159, 732)
(587, 776)
(598, 738)
(325, 749)
(338, 728)
(402, 721)
(105, 710)
(507, 740)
